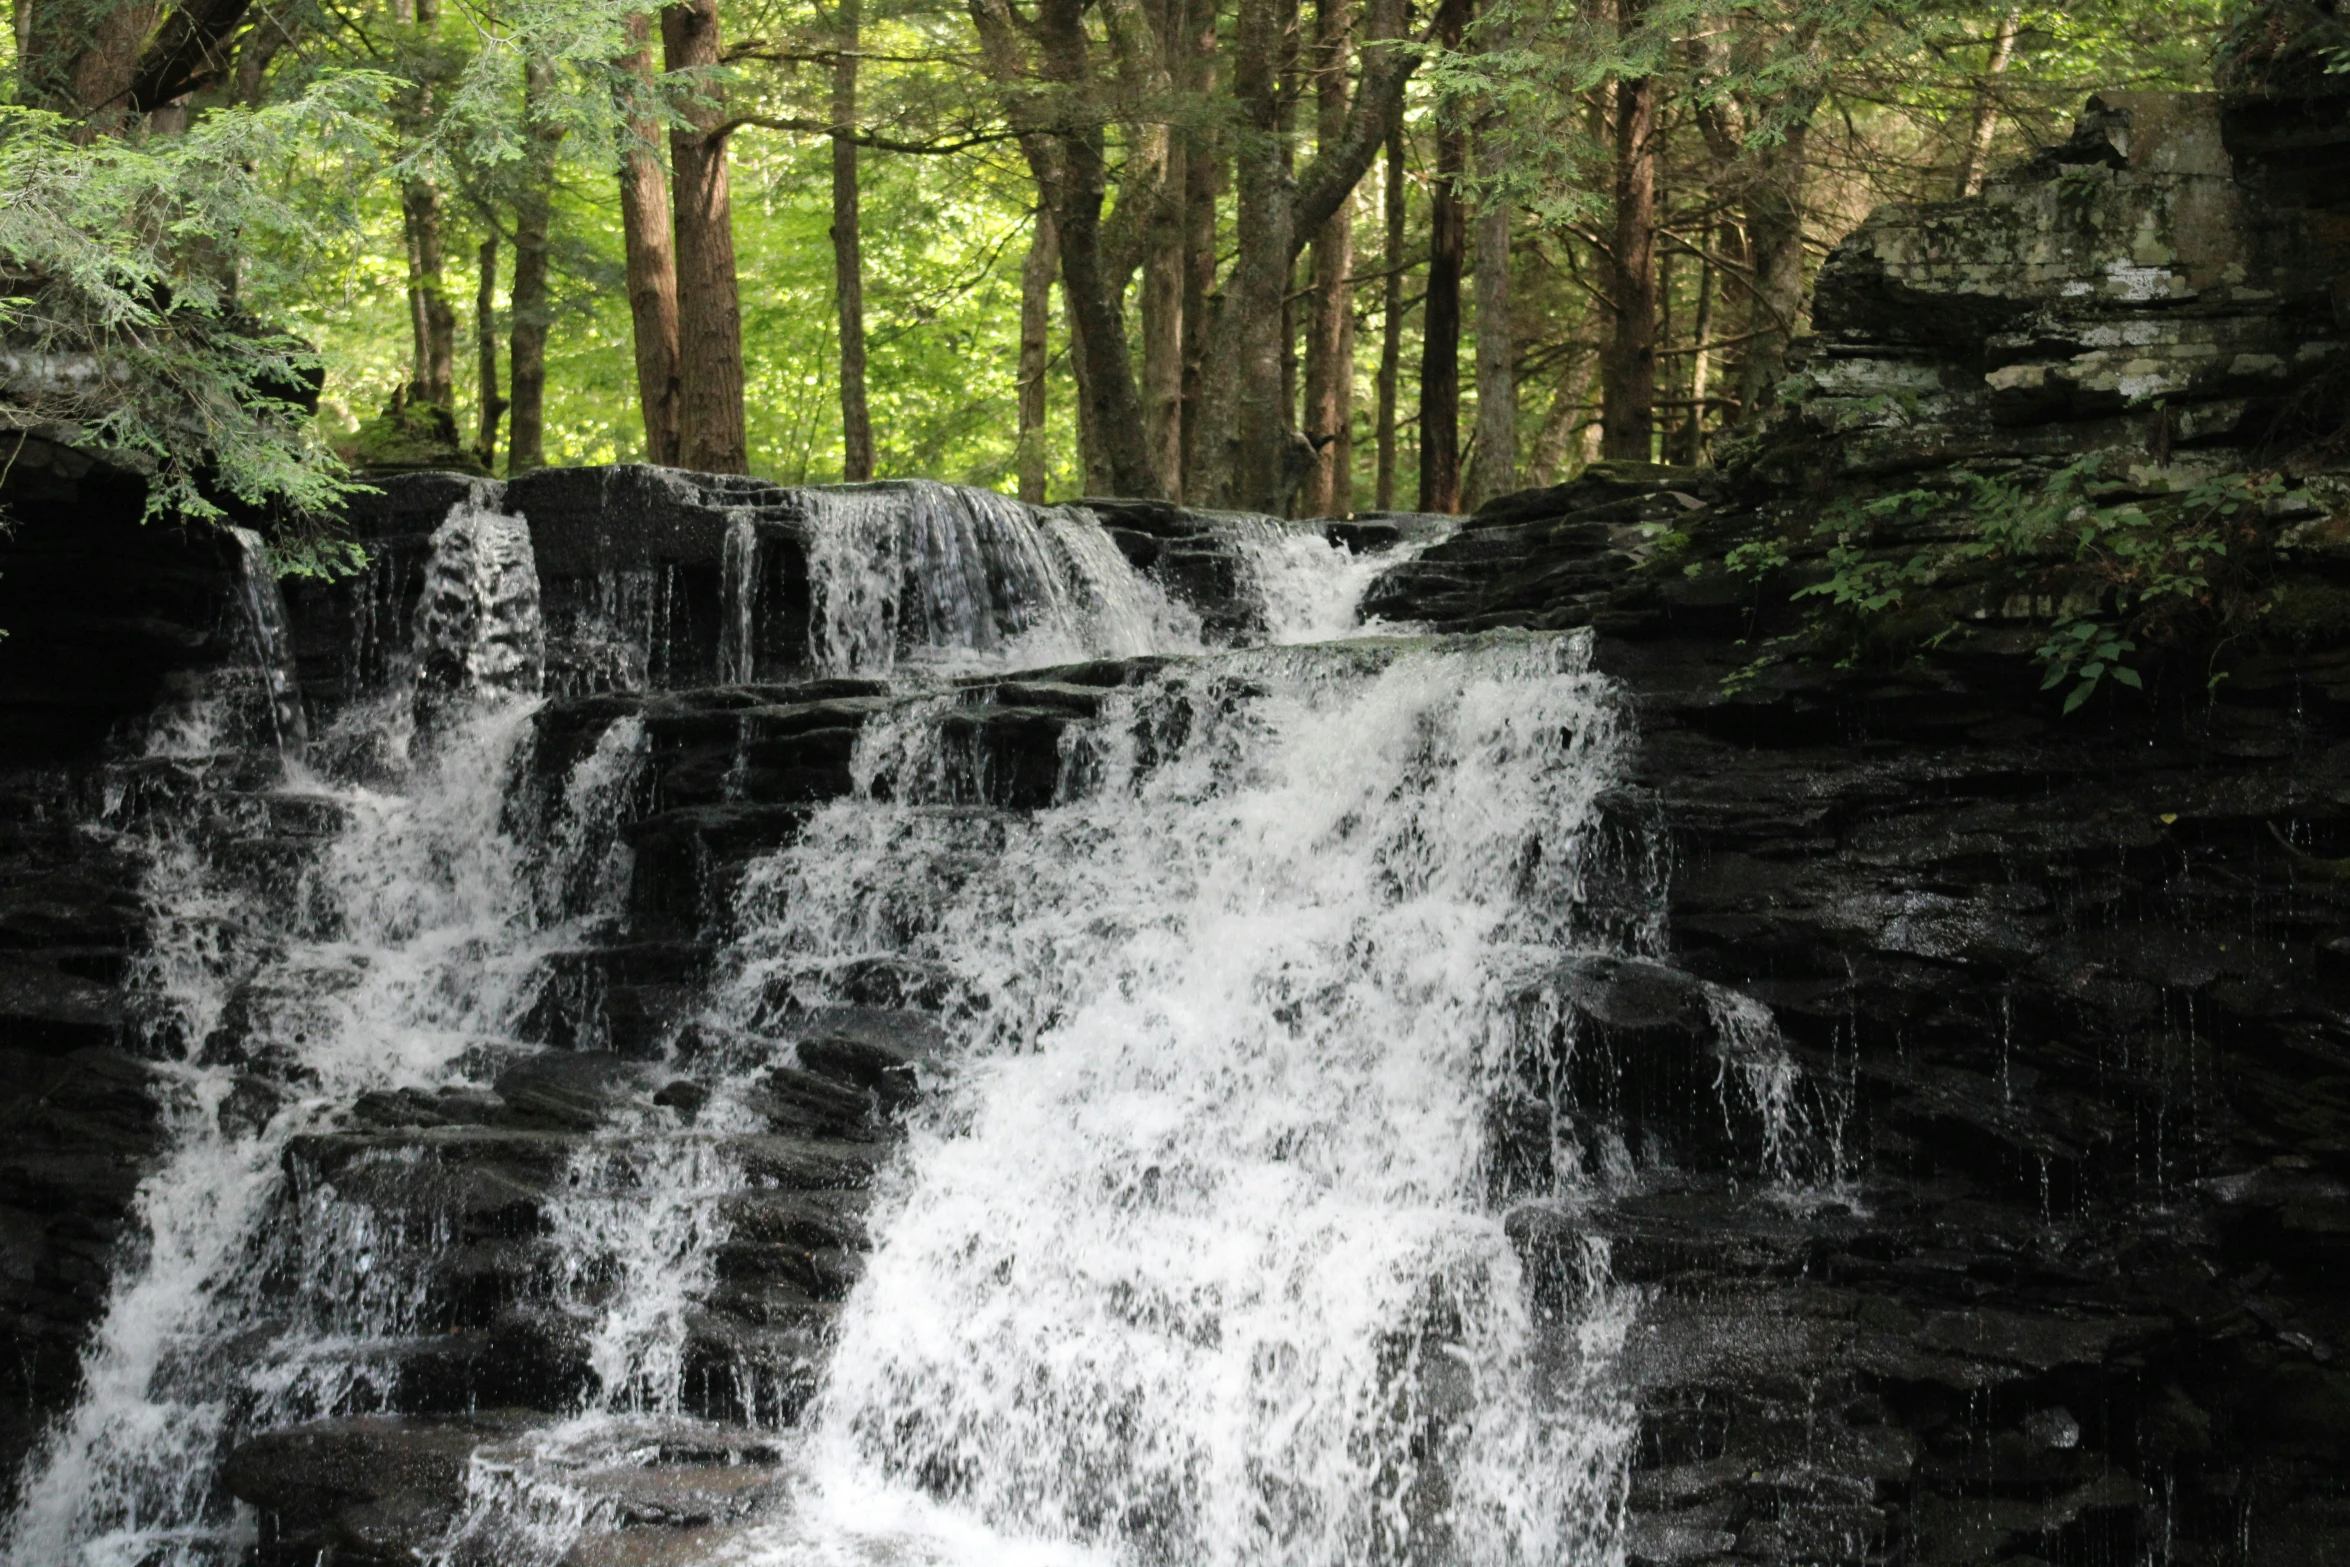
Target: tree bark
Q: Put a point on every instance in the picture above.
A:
(1986, 121)
(1330, 368)
(1093, 461)
(1440, 314)
(1244, 436)
(848, 261)
(1203, 182)
(710, 430)
(533, 212)
(1692, 443)
(1036, 319)
(485, 336)
(1164, 285)
(1496, 468)
(652, 256)
(432, 319)
(1555, 446)
(1774, 238)
(1391, 317)
(83, 67)
(1628, 374)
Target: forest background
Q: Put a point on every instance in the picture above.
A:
(1313, 256)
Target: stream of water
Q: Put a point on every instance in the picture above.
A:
(1191, 1254)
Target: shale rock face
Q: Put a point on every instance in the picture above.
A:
(2070, 992)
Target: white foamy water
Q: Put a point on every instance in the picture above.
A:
(911, 571)
(400, 956)
(1192, 1261)
(1307, 587)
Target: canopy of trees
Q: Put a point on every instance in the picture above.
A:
(1309, 257)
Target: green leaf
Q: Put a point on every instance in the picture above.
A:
(2128, 677)
(2080, 694)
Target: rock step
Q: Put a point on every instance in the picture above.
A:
(492, 1487)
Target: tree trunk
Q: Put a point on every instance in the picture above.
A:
(82, 65)
(1036, 319)
(848, 261)
(1243, 444)
(1496, 470)
(1628, 374)
(1700, 366)
(1440, 315)
(1203, 182)
(1391, 318)
(710, 432)
(1774, 238)
(1097, 316)
(485, 334)
(432, 319)
(1093, 461)
(1556, 445)
(652, 257)
(1164, 284)
(1330, 367)
(1978, 142)
(527, 350)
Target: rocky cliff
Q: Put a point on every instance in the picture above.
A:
(2073, 990)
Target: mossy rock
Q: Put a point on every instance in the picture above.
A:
(2308, 612)
(411, 438)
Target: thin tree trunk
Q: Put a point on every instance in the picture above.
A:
(651, 250)
(1555, 445)
(1774, 237)
(1092, 459)
(1203, 179)
(1036, 319)
(1440, 315)
(1329, 417)
(1496, 471)
(1978, 141)
(848, 262)
(1241, 447)
(485, 336)
(1700, 365)
(1496, 468)
(710, 430)
(1164, 283)
(432, 319)
(1391, 317)
(1098, 319)
(1628, 376)
(533, 210)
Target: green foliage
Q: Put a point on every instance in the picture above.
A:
(134, 266)
(2117, 566)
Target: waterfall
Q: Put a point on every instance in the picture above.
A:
(1204, 1241)
(273, 640)
(913, 571)
(738, 633)
(1193, 1259)
(1307, 587)
(479, 626)
(399, 955)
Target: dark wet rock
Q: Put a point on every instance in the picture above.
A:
(374, 1489)
(575, 1090)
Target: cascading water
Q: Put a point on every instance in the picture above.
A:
(1194, 1250)
(918, 572)
(1306, 586)
(400, 958)
(1193, 1260)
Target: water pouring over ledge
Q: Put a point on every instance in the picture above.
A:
(368, 1235)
